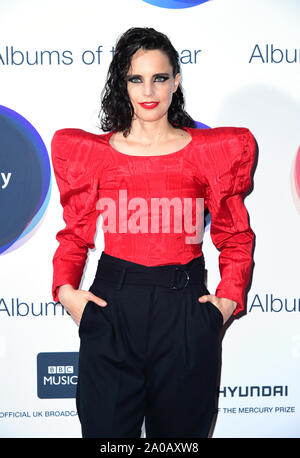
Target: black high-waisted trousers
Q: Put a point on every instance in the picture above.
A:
(151, 352)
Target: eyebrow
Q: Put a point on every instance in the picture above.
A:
(155, 74)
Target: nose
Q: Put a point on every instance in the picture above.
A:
(148, 88)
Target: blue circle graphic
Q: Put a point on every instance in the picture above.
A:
(175, 4)
(25, 179)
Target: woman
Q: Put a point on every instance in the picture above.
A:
(148, 326)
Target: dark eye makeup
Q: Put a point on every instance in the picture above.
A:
(161, 77)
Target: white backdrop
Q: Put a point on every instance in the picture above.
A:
(246, 74)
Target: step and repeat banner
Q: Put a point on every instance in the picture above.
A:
(240, 62)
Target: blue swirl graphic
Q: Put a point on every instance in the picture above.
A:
(25, 175)
(200, 125)
(175, 4)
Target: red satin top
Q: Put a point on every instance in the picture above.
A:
(212, 171)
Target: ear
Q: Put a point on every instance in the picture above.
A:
(176, 81)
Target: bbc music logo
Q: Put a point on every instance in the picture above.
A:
(57, 375)
(60, 369)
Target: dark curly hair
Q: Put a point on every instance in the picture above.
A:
(116, 108)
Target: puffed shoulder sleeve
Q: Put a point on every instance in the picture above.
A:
(78, 188)
(231, 159)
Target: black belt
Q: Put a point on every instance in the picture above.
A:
(177, 277)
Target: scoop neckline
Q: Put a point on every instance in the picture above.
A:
(188, 129)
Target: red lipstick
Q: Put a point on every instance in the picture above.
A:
(149, 105)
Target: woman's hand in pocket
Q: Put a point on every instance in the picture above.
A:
(226, 306)
(75, 300)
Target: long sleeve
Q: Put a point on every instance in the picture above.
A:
(233, 157)
(78, 186)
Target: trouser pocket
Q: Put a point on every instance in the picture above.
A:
(216, 316)
(83, 318)
(202, 326)
(92, 315)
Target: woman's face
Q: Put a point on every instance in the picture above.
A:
(150, 79)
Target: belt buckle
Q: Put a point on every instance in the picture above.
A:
(187, 278)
